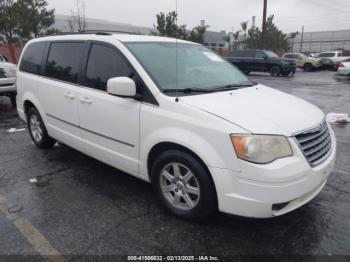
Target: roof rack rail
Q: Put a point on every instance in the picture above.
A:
(96, 32)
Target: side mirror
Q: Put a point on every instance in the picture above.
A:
(121, 86)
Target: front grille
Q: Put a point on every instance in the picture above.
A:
(316, 144)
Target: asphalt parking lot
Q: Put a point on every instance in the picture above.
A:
(83, 207)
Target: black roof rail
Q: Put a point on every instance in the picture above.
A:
(96, 32)
(108, 32)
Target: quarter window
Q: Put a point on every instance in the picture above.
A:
(32, 57)
(64, 61)
(104, 63)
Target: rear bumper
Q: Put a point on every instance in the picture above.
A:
(7, 85)
(292, 182)
(343, 71)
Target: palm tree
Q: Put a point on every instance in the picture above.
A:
(292, 37)
(235, 37)
(244, 26)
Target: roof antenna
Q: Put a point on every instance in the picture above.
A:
(176, 62)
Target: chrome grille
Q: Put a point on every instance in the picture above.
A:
(316, 144)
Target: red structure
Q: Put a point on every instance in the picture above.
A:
(11, 51)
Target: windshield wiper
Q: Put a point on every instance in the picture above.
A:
(231, 87)
(188, 90)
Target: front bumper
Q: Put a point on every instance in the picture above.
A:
(7, 85)
(289, 68)
(263, 191)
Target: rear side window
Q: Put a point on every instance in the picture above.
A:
(327, 55)
(104, 63)
(64, 61)
(32, 57)
(260, 54)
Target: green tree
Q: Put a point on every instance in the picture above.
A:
(8, 23)
(52, 31)
(167, 26)
(8, 19)
(254, 38)
(275, 39)
(40, 17)
(197, 34)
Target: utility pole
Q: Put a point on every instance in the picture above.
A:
(263, 40)
(301, 40)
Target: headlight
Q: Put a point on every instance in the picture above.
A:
(11, 73)
(261, 149)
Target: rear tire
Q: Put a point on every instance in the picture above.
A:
(275, 71)
(308, 68)
(183, 185)
(37, 129)
(286, 73)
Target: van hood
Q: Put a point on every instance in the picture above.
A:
(260, 110)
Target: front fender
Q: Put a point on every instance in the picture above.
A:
(192, 141)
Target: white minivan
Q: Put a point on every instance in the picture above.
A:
(177, 115)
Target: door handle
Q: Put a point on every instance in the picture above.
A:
(69, 95)
(85, 100)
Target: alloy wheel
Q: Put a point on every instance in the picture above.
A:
(179, 186)
(35, 128)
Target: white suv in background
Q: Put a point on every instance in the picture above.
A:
(175, 114)
(334, 56)
(8, 80)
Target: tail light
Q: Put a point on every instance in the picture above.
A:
(341, 65)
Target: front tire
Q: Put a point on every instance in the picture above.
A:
(275, 71)
(287, 73)
(183, 185)
(37, 129)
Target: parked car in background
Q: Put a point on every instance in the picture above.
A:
(203, 134)
(302, 61)
(314, 55)
(262, 61)
(3, 58)
(334, 56)
(344, 68)
(8, 81)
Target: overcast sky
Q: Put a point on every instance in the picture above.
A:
(290, 15)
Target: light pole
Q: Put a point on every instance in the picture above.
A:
(263, 40)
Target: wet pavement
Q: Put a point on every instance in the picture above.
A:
(81, 206)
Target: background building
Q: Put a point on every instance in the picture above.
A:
(316, 42)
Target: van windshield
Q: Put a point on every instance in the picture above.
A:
(198, 68)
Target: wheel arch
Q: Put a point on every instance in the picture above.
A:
(165, 146)
(29, 100)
